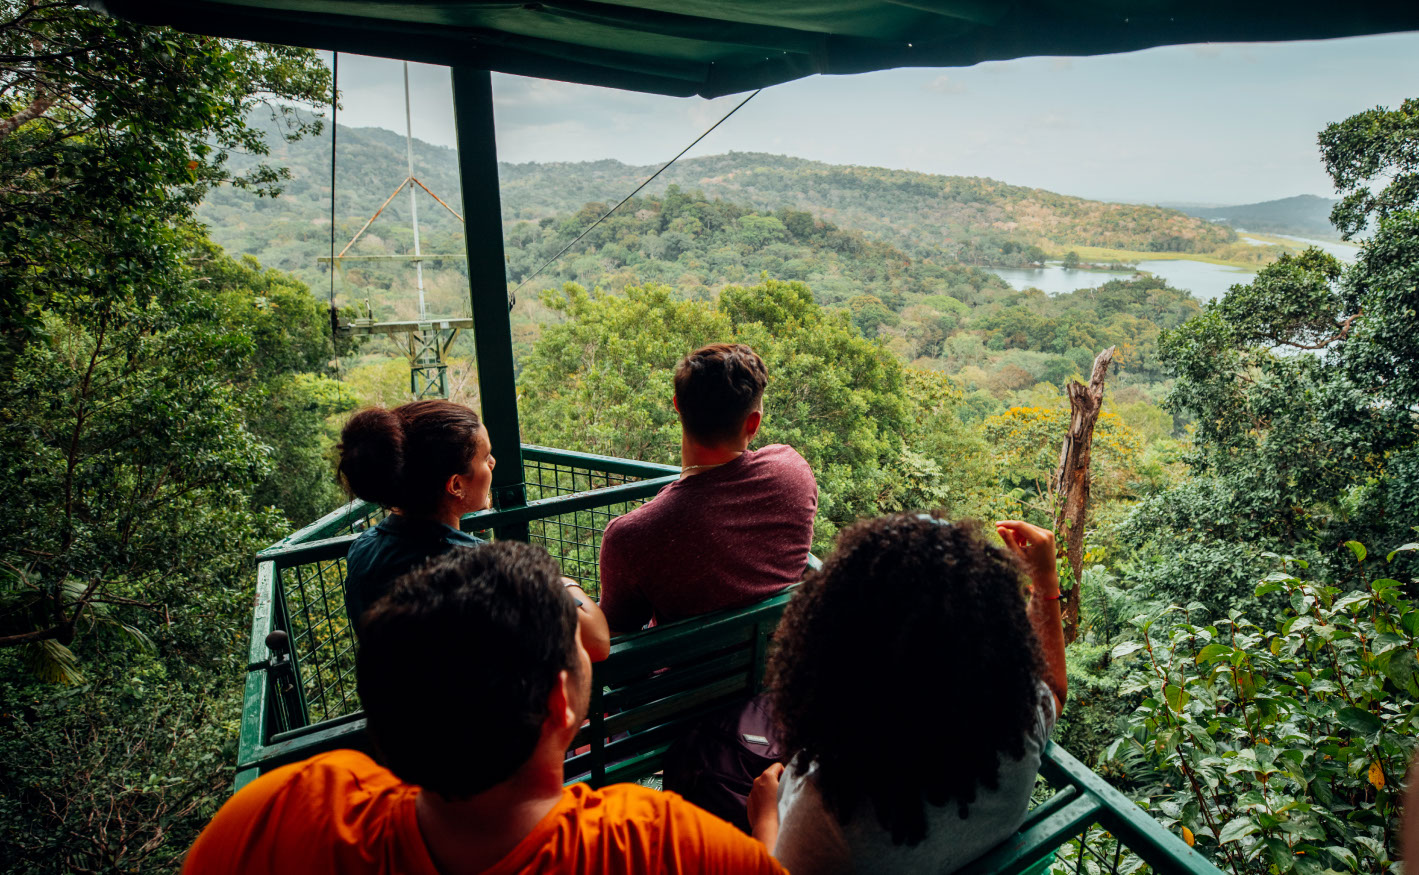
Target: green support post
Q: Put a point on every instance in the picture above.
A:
(487, 281)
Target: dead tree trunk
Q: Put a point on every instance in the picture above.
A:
(1071, 484)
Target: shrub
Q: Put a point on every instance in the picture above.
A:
(1283, 748)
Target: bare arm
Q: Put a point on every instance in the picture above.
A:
(1035, 547)
(763, 806)
(595, 636)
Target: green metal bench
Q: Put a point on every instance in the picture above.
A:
(300, 695)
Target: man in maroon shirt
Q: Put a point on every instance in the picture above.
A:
(737, 525)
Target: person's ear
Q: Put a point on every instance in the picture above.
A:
(561, 705)
(752, 422)
(454, 487)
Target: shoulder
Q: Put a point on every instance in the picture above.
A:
(634, 521)
(340, 768)
(365, 541)
(810, 838)
(665, 830)
(459, 538)
(783, 456)
(1046, 714)
(302, 792)
(787, 465)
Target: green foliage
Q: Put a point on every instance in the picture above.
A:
(877, 435)
(1375, 144)
(123, 130)
(1095, 714)
(1282, 745)
(152, 410)
(1301, 387)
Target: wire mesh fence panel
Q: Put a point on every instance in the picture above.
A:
(549, 479)
(574, 539)
(321, 637)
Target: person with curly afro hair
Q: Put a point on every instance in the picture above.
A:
(915, 684)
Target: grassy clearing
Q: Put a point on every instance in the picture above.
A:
(1098, 254)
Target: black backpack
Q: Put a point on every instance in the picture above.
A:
(714, 764)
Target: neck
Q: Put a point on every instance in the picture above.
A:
(695, 457)
(449, 516)
(472, 835)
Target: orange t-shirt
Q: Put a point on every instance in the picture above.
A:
(341, 812)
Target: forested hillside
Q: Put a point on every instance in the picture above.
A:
(1304, 215)
(979, 221)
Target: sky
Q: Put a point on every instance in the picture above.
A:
(1204, 124)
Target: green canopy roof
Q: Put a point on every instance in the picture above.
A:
(715, 47)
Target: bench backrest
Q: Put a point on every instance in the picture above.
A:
(654, 685)
(658, 682)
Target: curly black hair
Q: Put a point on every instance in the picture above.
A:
(906, 668)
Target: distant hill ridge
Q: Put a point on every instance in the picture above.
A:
(1304, 215)
(975, 219)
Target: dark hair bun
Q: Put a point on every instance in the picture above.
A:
(371, 452)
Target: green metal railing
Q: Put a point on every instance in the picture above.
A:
(300, 694)
(300, 687)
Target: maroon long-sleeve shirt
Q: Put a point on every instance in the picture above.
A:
(726, 537)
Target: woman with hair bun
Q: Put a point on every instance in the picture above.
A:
(429, 462)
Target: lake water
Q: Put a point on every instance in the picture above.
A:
(1206, 281)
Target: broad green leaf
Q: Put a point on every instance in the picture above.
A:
(1410, 622)
(1357, 548)
(1236, 828)
(1125, 649)
(1213, 652)
(1344, 855)
(1177, 697)
(1413, 545)
(1359, 720)
(1352, 600)
(1268, 587)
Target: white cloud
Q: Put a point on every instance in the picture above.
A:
(944, 84)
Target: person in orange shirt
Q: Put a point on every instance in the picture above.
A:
(474, 680)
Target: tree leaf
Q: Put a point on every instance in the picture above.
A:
(1357, 548)
(1213, 652)
(1236, 828)
(1177, 697)
(1359, 720)
(1377, 775)
(1267, 587)
(1344, 855)
(1125, 649)
(1413, 545)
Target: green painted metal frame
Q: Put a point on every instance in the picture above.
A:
(274, 725)
(487, 282)
(658, 682)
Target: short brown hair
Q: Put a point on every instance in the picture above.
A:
(716, 388)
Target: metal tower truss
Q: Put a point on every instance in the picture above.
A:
(426, 341)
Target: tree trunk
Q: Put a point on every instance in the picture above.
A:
(1071, 484)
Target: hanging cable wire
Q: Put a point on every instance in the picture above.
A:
(512, 298)
(334, 133)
